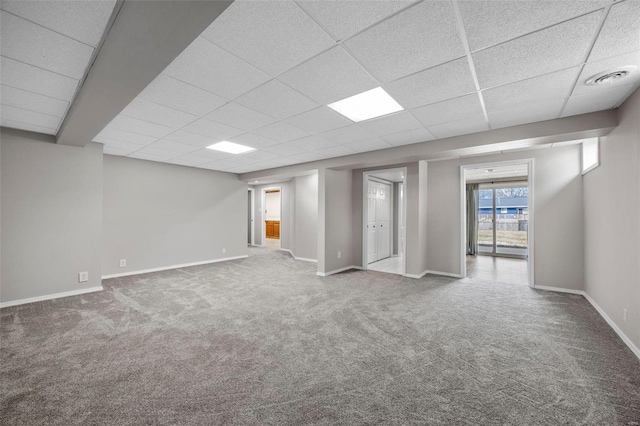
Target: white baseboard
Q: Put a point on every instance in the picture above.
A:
(337, 271)
(444, 274)
(609, 321)
(165, 268)
(50, 296)
(559, 290)
(304, 259)
(613, 325)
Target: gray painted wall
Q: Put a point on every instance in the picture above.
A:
(558, 228)
(159, 215)
(612, 223)
(337, 220)
(305, 244)
(51, 215)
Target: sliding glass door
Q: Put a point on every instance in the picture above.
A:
(503, 219)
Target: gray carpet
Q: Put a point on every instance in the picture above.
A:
(264, 341)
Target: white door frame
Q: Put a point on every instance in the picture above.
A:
(530, 207)
(262, 210)
(365, 211)
(253, 216)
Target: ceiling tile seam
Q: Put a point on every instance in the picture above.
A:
(48, 29)
(129, 131)
(535, 76)
(30, 110)
(38, 67)
(594, 38)
(465, 43)
(423, 70)
(542, 29)
(31, 124)
(161, 106)
(366, 28)
(35, 93)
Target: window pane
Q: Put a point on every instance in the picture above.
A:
(590, 157)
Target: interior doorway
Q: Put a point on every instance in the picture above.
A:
(251, 217)
(384, 221)
(271, 217)
(497, 221)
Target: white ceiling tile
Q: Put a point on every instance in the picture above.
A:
(313, 143)
(409, 137)
(526, 114)
(35, 45)
(394, 123)
(254, 141)
(433, 85)
(368, 145)
(260, 155)
(29, 117)
(32, 101)
(449, 110)
(336, 151)
(620, 33)
(552, 49)
(329, 77)
(596, 101)
(225, 164)
(133, 125)
(611, 64)
(190, 139)
(279, 162)
(189, 160)
(216, 131)
(157, 152)
(158, 114)
(148, 157)
(113, 151)
(319, 120)
(460, 127)
(244, 169)
(281, 132)
(305, 157)
(120, 135)
(277, 100)
(263, 165)
(125, 147)
(423, 36)
(27, 77)
(211, 154)
(345, 18)
(208, 67)
(4, 122)
(241, 117)
(535, 90)
(280, 34)
(176, 94)
(168, 145)
(286, 149)
(490, 22)
(241, 159)
(84, 21)
(347, 134)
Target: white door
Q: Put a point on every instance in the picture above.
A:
(372, 251)
(383, 220)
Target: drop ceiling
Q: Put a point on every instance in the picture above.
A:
(263, 73)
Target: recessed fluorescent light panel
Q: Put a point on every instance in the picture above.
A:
(367, 105)
(230, 147)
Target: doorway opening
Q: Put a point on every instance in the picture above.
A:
(384, 218)
(251, 241)
(497, 219)
(271, 217)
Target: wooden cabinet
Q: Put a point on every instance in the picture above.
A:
(273, 228)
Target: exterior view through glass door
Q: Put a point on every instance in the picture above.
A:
(503, 219)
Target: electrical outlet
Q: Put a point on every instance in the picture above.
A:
(224, 250)
(339, 255)
(83, 277)
(123, 263)
(624, 314)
